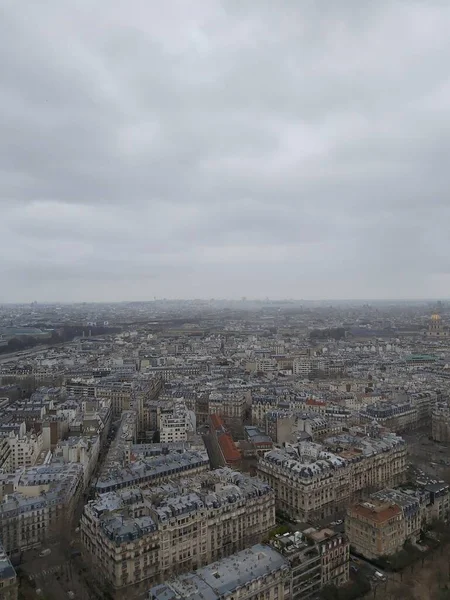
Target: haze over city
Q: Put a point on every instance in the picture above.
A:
(224, 149)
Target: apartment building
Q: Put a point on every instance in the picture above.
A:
(317, 426)
(414, 507)
(303, 366)
(329, 410)
(280, 426)
(175, 424)
(294, 566)
(40, 505)
(316, 558)
(54, 428)
(137, 537)
(146, 390)
(228, 405)
(439, 505)
(151, 470)
(440, 422)
(168, 372)
(314, 481)
(83, 450)
(256, 441)
(375, 528)
(334, 554)
(24, 451)
(120, 393)
(392, 516)
(252, 574)
(262, 405)
(265, 365)
(81, 387)
(305, 563)
(423, 402)
(396, 416)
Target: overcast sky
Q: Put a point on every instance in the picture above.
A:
(201, 148)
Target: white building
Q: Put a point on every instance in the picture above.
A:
(83, 450)
(25, 450)
(174, 425)
(252, 574)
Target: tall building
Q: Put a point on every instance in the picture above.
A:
(317, 558)
(375, 528)
(41, 505)
(252, 574)
(314, 481)
(138, 537)
(437, 329)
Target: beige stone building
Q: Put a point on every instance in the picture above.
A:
(119, 392)
(437, 329)
(440, 422)
(257, 573)
(139, 537)
(375, 528)
(38, 504)
(314, 481)
(229, 405)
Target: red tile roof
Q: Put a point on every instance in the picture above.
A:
(229, 450)
(216, 422)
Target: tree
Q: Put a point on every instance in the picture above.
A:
(329, 592)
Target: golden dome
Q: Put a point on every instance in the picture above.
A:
(435, 317)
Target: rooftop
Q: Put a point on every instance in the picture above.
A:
(376, 511)
(222, 578)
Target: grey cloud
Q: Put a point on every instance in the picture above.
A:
(224, 149)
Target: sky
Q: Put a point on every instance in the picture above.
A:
(219, 149)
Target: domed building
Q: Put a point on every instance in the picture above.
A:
(436, 328)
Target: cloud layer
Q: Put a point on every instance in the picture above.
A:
(224, 149)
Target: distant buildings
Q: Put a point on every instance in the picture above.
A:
(437, 329)
(149, 471)
(314, 415)
(174, 424)
(316, 558)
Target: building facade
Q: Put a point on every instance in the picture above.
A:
(139, 537)
(256, 573)
(314, 481)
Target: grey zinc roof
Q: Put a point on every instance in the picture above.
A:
(6, 569)
(219, 579)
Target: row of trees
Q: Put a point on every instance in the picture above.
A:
(333, 333)
(65, 333)
(356, 589)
